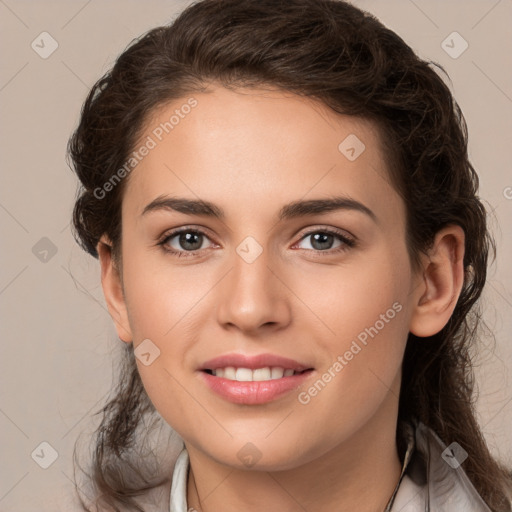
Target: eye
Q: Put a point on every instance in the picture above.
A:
(326, 240)
(184, 241)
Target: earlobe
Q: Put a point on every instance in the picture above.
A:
(113, 290)
(441, 283)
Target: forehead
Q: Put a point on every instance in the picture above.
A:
(249, 145)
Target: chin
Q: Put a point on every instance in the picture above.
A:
(249, 455)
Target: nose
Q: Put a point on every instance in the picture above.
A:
(252, 298)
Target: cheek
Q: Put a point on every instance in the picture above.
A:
(345, 299)
(361, 329)
(160, 296)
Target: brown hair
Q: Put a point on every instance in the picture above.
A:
(333, 52)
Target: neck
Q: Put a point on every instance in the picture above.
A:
(359, 474)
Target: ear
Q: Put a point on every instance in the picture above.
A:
(441, 280)
(113, 290)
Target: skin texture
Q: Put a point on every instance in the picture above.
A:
(250, 152)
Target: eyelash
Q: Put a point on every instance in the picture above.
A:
(347, 243)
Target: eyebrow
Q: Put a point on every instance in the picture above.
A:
(289, 211)
(183, 205)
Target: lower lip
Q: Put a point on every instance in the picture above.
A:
(254, 393)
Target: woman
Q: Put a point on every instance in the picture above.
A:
(291, 247)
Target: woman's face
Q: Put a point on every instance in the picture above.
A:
(296, 265)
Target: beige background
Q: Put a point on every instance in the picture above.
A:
(58, 345)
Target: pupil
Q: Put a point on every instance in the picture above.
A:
(190, 241)
(321, 241)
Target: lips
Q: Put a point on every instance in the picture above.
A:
(254, 362)
(253, 380)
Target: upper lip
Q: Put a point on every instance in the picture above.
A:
(253, 362)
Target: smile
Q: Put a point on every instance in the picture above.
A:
(253, 380)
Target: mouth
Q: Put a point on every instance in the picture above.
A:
(253, 380)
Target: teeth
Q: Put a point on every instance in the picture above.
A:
(229, 373)
(277, 373)
(257, 375)
(261, 374)
(243, 375)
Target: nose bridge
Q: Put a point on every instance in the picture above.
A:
(251, 295)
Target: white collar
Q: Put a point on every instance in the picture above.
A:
(179, 483)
